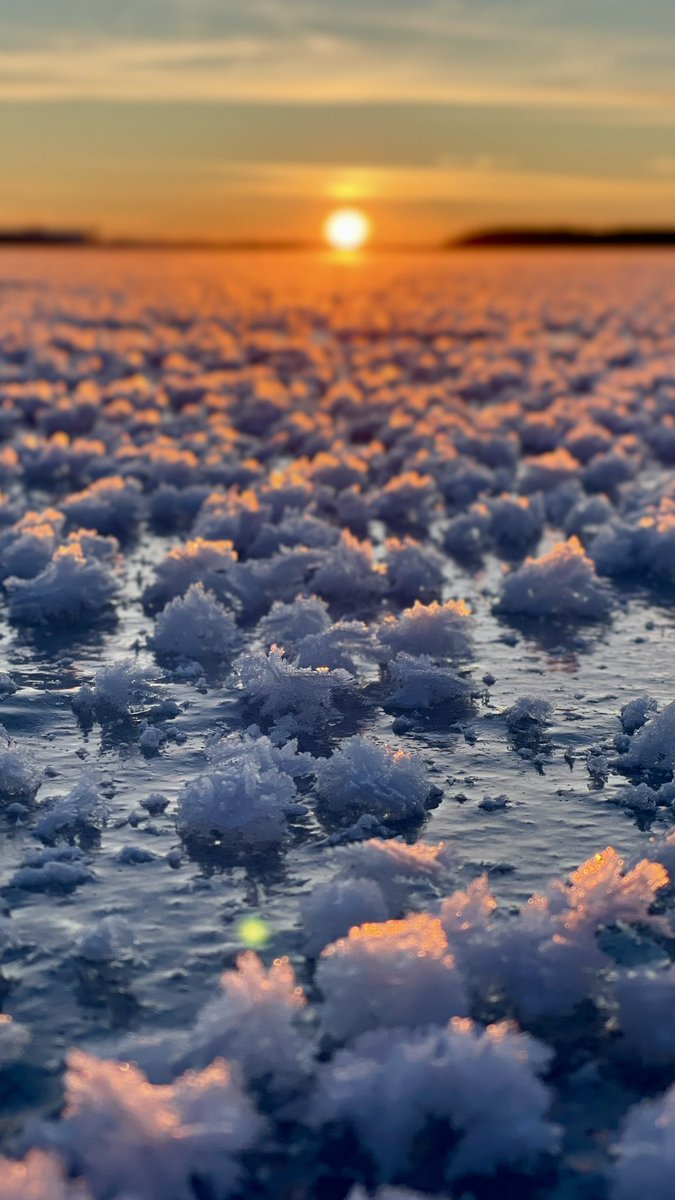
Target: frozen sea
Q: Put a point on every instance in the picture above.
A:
(328, 417)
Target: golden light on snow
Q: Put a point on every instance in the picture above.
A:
(347, 229)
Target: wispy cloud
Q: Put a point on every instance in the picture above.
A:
(307, 67)
(479, 180)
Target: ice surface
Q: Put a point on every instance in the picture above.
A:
(288, 491)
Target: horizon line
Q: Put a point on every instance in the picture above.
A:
(490, 237)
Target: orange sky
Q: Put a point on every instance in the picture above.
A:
(252, 118)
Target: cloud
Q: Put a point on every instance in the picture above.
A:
(477, 180)
(324, 67)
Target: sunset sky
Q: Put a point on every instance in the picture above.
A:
(237, 118)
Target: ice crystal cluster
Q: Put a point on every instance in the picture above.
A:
(337, 742)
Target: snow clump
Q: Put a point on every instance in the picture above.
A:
(128, 1137)
(420, 684)
(108, 941)
(244, 797)
(118, 689)
(404, 968)
(20, 778)
(253, 1022)
(196, 627)
(481, 1087)
(645, 1151)
(362, 776)
(83, 808)
(561, 584)
(276, 688)
(652, 748)
(210, 563)
(76, 587)
(111, 505)
(437, 630)
(287, 625)
(39, 1176)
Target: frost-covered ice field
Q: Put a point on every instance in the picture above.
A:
(336, 772)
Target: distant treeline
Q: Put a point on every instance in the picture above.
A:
(46, 237)
(495, 237)
(516, 236)
(87, 238)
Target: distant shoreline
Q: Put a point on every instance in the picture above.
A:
(485, 239)
(536, 238)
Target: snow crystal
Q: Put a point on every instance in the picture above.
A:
(331, 909)
(111, 505)
(516, 522)
(602, 892)
(209, 563)
(27, 546)
(531, 960)
(342, 645)
(128, 1137)
(110, 939)
(75, 587)
(646, 1151)
(243, 798)
(38, 1176)
(13, 1041)
(288, 624)
(397, 867)
(364, 776)
(403, 967)
(482, 1084)
(408, 501)
(437, 630)
(197, 627)
(118, 689)
(20, 778)
(253, 1022)
(652, 748)
(529, 714)
(82, 808)
(414, 571)
(560, 584)
(421, 684)
(545, 959)
(277, 688)
(349, 574)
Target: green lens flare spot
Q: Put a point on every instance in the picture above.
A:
(253, 932)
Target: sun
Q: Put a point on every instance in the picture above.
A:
(347, 229)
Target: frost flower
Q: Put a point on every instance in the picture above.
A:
(560, 584)
(480, 1085)
(362, 776)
